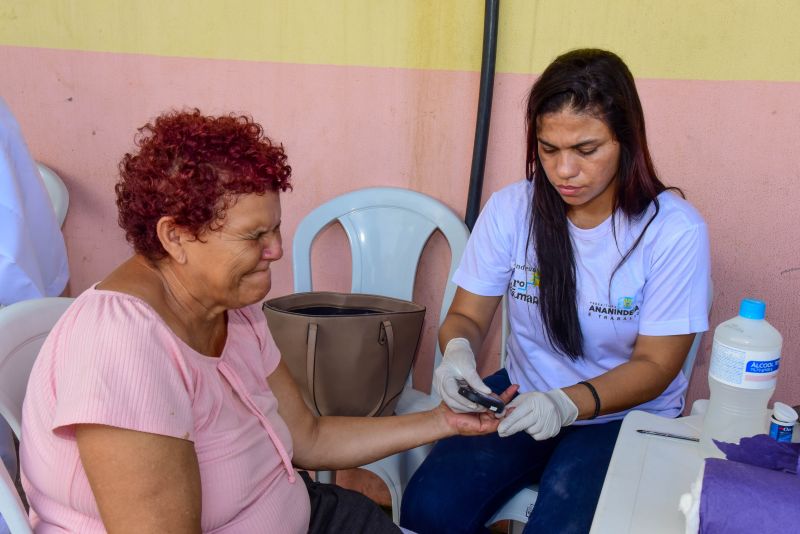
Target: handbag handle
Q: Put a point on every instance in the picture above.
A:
(385, 337)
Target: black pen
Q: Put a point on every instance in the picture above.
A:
(666, 435)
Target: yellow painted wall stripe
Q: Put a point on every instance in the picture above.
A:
(684, 39)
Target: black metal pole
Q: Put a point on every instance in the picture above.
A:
(488, 58)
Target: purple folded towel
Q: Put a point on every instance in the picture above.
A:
(764, 451)
(743, 498)
(755, 490)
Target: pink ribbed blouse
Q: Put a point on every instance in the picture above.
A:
(111, 360)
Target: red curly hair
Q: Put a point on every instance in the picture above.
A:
(191, 167)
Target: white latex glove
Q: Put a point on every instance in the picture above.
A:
(539, 414)
(458, 361)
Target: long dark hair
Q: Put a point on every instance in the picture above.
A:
(599, 83)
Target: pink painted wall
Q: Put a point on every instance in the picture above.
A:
(729, 145)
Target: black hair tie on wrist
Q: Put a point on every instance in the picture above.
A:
(596, 398)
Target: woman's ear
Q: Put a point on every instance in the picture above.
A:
(172, 238)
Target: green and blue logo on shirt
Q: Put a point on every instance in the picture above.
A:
(625, 303)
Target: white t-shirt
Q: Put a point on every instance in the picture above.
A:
(661, 289)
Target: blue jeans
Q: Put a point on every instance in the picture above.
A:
(465, 480)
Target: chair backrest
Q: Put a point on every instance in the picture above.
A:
(387, 229)
(59, 195)
(688, 364)
(24, 326)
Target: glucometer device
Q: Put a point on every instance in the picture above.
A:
(490, 402)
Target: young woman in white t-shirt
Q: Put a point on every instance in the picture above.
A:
(606, 274)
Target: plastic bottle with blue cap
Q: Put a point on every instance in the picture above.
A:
(745, 358)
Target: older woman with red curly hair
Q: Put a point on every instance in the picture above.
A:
(159, 402)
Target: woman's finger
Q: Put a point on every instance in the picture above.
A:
(509, 393)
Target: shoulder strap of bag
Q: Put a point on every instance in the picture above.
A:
(385, 338)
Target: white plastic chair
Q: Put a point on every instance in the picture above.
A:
(518, 509)
(24, 326)
(387, 229)
(59, 195)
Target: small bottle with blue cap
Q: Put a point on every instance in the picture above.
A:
(745, 358)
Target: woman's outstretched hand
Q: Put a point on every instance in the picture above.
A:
(474, 424)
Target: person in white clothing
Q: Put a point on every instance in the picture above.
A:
(33, 257)
(606, 273)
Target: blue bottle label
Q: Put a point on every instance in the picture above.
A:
(763, 367)
(781, 433)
